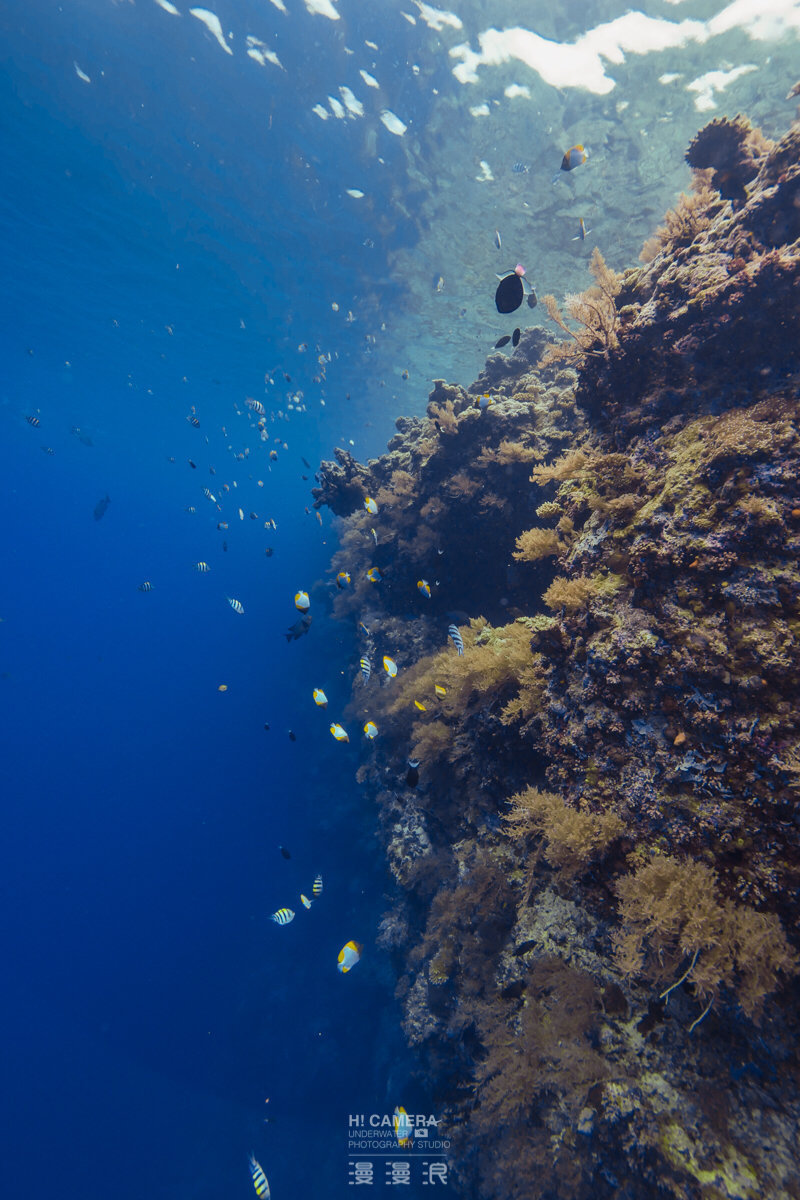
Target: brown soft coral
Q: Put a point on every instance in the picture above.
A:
(733, 150)
(674, 920)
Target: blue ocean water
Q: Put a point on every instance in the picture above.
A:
(175, 223)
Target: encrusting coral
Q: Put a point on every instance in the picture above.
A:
(595, 923)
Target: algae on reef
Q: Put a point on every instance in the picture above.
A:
(595, 923)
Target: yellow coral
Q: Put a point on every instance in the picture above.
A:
(572, 837)
(550, 508)
(569, 594)
(537, 543)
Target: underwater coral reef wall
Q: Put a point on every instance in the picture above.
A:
(585, 567)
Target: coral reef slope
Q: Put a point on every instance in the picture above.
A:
(596, 862)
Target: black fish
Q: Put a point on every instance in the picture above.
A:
(292, 736)
(284, 852)
(299, 628)
(412, 778)
(193, 465)
(225, 547)
(305, 462)
(516, 335)
(532, 300)
(503, 341)
(269, 552)
(100, 508)
(266, 726)
(509, 294)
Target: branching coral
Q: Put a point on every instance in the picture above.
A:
(595, 312)
(569, 594)
(672, 914)
(538, 543)
(691, 214)
(507, 454)
(573, 838)
(569, 466)
(541, 1048)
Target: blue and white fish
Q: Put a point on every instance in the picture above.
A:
(236, 605)
(283, 916)
(317, 888)
(457, 639)
(259, 1179)
(366, 669)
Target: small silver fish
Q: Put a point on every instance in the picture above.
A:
(498, 241)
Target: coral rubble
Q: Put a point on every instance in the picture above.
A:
(597, 872)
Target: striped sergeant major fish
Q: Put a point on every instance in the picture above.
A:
(259, 1179)
(317, 888)
(202, 567)
(146, 586)
(366, 669)
(457, 639)
(236, 605)
(283, 916)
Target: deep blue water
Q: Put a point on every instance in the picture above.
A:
(149, 1005)
(171, 231)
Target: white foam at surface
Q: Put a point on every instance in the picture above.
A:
(321, 111)
(763, 20)
(486, 175)
(168, 8)
(372, 45)
(479, 110)
(369, 80)
(336, 108)
(261, 53)
(411, 20)
(669, 77)
(211, 22)
(353, 106)
(515, 89)
(393, 123)
(437, 18)
(81, 74)
(356, 193)
(579, 63)
(281, 7)
(582, 63)
(324, 8)
(714, 81)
